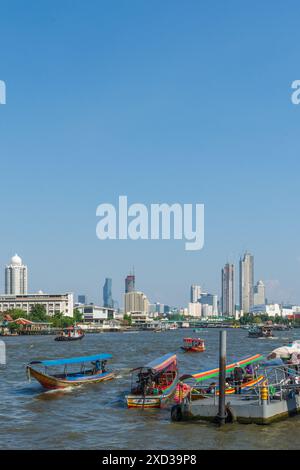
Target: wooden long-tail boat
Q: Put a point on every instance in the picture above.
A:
(249, 382)
(72, 333)
(154, 384)
(97, 372)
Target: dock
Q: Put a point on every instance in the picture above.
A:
(240, 409)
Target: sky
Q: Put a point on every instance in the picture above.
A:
(165, 102)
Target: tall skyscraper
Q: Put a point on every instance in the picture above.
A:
(107, 294)
(82, 299)
(228, 298)
(246, 282)
(130, 283)
(195, 293)
(16, 277)
(259, 293)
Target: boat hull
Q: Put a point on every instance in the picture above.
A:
(193, 349)
(152, 401)
(230, 390)
(68, 338)
(50, 382)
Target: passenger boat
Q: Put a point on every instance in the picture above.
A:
(72, 333)
(154, 384)
(94, 373)
(193, 345)
(260, 332)
(249, 381)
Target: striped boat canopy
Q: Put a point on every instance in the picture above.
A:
(207, 374)
(162, 362)
(72, 360)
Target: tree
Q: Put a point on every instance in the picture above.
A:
(77, 315)
(38, 313)
(16, 313)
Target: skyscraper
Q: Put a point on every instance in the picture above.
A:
(82, 299)
(228, 299)
(107, 294)
(259, 293)
(246, 282)
(195, 293)
(135, 302)
(130, 283)
(16, 277)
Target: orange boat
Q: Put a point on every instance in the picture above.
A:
(193, 345)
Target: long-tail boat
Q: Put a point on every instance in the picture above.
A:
(154, 384)
(193, 345)
(93, 373)
(249, 382)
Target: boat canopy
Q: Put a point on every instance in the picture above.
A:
(72, 360)
(160, 363)
(207, 374)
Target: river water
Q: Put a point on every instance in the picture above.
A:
(95, 417)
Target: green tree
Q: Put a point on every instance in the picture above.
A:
(16, 313)
(38, 313)
(77, 315)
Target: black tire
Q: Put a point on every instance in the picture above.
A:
(176, 413)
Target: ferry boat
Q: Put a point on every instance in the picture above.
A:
(72, 333)
(260, 332)
(154, 384)
(94, 373)
(193, 345)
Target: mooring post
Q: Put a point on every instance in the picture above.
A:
(222, 378)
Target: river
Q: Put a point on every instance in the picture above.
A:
(95, 417)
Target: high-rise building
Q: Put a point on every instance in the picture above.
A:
(107, 294)
(81, 299)
(246, 282)
(195, 293)
(16, 277)
(259, 293)
(130, 283)
(135, 302)
(228, 299)
(211, 300)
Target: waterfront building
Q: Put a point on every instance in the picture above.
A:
(107, 293)
(259, 294)
(129, 283)
(272, 310)
(195, 293)
(228, 299)
(210, 299)
(246, 282)
(135, 302)
(195, 309)
(53, 303)
(95, 314)
(16, 278)
(82, 299)
(207, 311)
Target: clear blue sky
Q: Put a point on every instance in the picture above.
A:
(163, 101)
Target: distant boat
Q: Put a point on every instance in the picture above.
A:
(260, 332)
(174, 326)
(193, 345)
(154, 384)
(72, 333)
(97, 371)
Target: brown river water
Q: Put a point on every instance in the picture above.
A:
(95, 416)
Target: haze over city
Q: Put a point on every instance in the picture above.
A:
(163, 104)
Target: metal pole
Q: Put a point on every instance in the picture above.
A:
(222, 378)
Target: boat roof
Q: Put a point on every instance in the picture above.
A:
(207, 374)
(160, 363)
(72, 360)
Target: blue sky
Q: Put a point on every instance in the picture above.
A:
(161, 101)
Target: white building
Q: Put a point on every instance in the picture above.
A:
(246, 282)
(207, 310)
(195, 293)
(272, 310)
(195, 309)
(16, 277)
(53, 303)
(93, 314)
